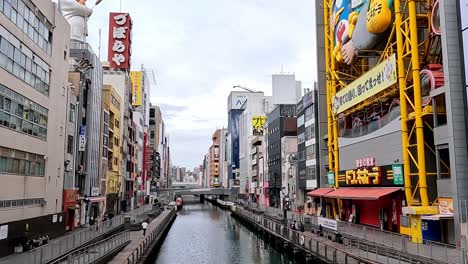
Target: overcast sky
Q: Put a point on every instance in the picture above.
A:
(199, 49)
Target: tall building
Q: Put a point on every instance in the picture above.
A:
(112, 145)
(281, 123)
(33, 119)
(308, 161)
(399, 123)
(214, 157)
(120, 82)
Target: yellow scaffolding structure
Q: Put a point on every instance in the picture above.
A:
(412, 20)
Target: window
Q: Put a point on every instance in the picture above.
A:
(310, 132)
(19, 113)
(70, 145)
(309, 113)
(310, 152)
(19, 162)
(104, 152)
(15, 61)
(72, 113)
(117, 123)
(152, 135)
(311, 173)
(443, 157)
(116, 142)
(35, 26)
(301, 138)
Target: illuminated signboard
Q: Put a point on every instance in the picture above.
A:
(136, 77)
(378, 176)
(120, 40)
(371, 83)
(257, 125)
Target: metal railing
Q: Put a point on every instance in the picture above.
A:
(63, 245)
(374, 240)
(309, 243)
(427, 249)
(138, 252)
(96, 251)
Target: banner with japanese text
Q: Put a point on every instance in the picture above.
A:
(136, 77)
(371, 83)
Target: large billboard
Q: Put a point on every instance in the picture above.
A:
(359, 26)
(120, 40)
(136, 77)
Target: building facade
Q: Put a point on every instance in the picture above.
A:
(112, 145)
(33, 115)
(403, 134)
(281, 123)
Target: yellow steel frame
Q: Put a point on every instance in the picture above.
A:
(412, 17)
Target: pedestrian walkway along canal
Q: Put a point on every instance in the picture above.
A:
(204, 233)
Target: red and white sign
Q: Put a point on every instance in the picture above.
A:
(365, 162)
(120, 40)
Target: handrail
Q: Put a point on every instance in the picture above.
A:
(138, 252)
(96, 249)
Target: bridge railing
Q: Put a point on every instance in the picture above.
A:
(61, 246)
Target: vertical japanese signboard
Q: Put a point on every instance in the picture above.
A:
(136, 77)
(120, 40)
(257, 125)
(82, 139)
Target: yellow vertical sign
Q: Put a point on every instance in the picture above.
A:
(136, 78)
(257, 125)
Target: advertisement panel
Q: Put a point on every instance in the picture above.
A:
(371, 83)
(236, 100)
(137, 86)
(446, 206)
(120, 40)
(372, 176)
(258, 123)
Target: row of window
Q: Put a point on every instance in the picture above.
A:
(21, 162)
(22, 202)
(115, 102)
(301, 138)
(309, 132)
(310, 152)
(309, 113)
(300, 121)
(27, 21)
(311, 172)
(19, 113)
(18, 60)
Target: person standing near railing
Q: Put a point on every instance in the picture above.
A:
(144, 225)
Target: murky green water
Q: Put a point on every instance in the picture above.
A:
(203, 233)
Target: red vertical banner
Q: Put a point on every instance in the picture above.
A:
(120, 40)
(144, 170)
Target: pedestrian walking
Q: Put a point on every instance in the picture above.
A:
(144, 225)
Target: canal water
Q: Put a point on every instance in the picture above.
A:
(204, 233)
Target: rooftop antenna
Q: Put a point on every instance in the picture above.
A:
(281, 68)
(99, 48)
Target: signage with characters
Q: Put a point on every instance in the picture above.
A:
(368, 174)
(120, 40)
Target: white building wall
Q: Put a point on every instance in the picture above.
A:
(286, 90)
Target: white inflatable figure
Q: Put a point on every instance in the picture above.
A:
(77, 14)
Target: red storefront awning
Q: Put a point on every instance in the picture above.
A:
(319, 192)
(363, 193)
